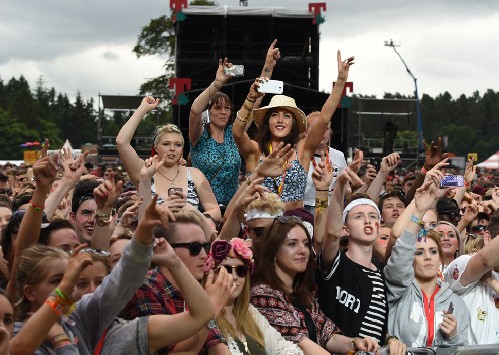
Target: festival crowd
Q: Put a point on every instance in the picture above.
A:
(300, 254)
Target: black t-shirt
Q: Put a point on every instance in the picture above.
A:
(354, 297)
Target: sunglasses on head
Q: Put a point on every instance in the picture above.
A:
(393, 193)
(99, 252)
(241, 270)
(194, 247)
(286, 220)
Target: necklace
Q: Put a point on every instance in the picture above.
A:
(171, 180)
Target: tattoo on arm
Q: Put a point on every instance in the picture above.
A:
(266, 70)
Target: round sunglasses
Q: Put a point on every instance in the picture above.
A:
(241, 270)
(194, 247)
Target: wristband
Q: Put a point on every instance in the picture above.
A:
(322, 190)
(423, 171)
(247, 108)
(422, 232)
(243, 120)
(353, 342)
(252, 101)
(105, 215)
(36, 207)
(248, 180)
(216, 85)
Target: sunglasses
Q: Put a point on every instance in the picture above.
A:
(6, 192)
(393, 193)
(99, 252)
(479, 228)
(194, 247)
(241, 270)
(286, 220)
(258, 231)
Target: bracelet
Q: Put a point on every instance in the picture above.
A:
(353, 342)
(322, 190)
(36, 207)
(243, 120)
(390, 338)
(102, 215)
(422, 232)
(247, 98)
(216, 85)
(61, 298)
(423, 171)
(248, 180)
(246, 107)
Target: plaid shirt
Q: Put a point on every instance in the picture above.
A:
(158, 296)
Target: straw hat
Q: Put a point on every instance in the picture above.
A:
(283, 102)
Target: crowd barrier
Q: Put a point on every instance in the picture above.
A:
(490, 349)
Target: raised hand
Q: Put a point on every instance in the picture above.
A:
(433, 154)
(73, 168)
(164, 255)
(277, 162)
(77, 262)
(45, 171)
(344, 66)
(370, 173)
(349, 175)
(389, 163)
(219, 288)
(323, 173)
(253, 92)
(149, 103)
(425, 196)
(221, 78)
(151, 165)
(156, 215)
(272, 57)
(107, 193)
(251, 193)
(470, 171)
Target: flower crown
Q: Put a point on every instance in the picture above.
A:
(221, 249)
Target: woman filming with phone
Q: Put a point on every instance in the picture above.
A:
(168, 145)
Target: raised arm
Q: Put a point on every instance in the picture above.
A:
(232, 225)
(105, 195)
(128, 155)
(186, 324)
(334, 223)
(388, 164)
(201, 102)
(73, 170)
(313, 138)
(321, 176)
(43, 324)
(44, 170)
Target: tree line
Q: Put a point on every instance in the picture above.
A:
(470, 123)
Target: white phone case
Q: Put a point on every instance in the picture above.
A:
(271, 87)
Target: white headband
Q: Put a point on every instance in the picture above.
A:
(359, 202)
(254, 214)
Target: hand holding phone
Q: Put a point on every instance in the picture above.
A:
(234, 70)
(175, 191)
(376, 162)
(452, 181)
(271, 86)
(451, 308)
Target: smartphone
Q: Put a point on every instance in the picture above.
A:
(452, 181)
(271, 87)
(234, 71)
(376, 162)
(451, 308)
(174, 190)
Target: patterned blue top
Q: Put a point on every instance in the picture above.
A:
(294, 183)
(219, 162)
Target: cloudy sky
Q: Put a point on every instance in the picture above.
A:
(87, 46)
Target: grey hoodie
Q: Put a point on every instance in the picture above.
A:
(407, 319)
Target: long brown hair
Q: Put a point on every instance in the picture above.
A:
(273, 237)
(263, 136)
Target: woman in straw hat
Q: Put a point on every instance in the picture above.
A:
(283, 121)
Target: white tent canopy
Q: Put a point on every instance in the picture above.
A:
(491, 163)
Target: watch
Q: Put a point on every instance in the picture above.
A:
(212, 324)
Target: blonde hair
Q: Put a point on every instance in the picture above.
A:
(472, 245)
(245, 322)
(182, 217)
(272, 204)
(32, 270)
(168, 128)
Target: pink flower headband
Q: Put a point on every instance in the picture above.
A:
(221, 249)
